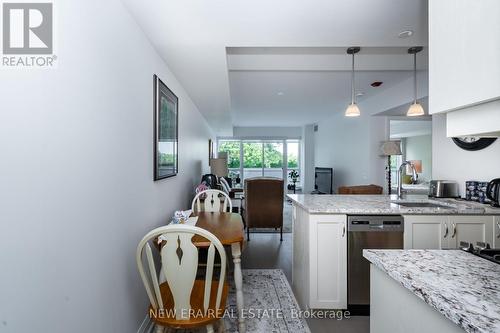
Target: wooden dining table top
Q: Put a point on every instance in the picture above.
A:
(227, 227)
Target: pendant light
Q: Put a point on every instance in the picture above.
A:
(415, 109)
(352, 110)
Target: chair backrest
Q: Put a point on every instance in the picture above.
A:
(264, 198)
(212, 202)
(179, 264)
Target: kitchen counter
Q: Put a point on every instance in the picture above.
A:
(384, 205)
(462, 287)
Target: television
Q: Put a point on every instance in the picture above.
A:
(323, 180)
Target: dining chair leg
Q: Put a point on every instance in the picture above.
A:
(238, 282)
(281, 234)
(248, 233)
(210, 328)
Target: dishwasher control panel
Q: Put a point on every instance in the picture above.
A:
(375, 223)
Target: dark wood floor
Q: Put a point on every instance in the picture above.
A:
(264, 250)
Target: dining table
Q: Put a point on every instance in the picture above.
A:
(228, 228)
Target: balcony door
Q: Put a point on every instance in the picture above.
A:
(253, 155)
(273, 159)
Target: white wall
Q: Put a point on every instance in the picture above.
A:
(76, 167)
(267, 132)
(420, 148)
(351, 146)
(453, 163)
(307, 161)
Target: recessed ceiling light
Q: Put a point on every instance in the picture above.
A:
(405, 34)
(376, 84)
(359, 94)
(280, 93)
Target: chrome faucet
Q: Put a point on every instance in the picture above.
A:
(400, 175)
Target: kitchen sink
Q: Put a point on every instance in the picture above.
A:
(421, 205)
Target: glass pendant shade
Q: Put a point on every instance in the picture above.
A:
(352, 110)
(415, 110)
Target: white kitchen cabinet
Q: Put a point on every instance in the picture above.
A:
(471, 229)
(328, 262)
(319, 273)
(425, 231)
(446, 232)
(496, 234)
(464, 49)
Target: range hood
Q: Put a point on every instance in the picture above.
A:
(482, 120)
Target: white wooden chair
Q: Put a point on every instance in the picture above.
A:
(225, 185)
(212, 202)
(183, 301)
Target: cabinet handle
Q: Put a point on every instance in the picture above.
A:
(454, 230)
(498, 225)
(446, 230)
(343, 231)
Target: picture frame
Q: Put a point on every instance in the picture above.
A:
(210, 150)
(166, 131)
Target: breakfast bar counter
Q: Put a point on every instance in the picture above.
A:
(388, 205)
(433, 291)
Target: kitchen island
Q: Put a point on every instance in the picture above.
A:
(321, 232)
(433, 291)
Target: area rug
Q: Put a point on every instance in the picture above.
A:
(270, 305)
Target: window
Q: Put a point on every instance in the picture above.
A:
(232, 147)
(256, 158)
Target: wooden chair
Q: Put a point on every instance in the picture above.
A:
(360, 189)
(182, 301)
(212, 202)
(263, 205)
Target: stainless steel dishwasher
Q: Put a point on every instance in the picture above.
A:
(367, 232)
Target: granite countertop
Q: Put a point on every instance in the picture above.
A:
(462, 287)
(384, 204)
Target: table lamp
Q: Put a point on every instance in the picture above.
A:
(388, 149)
(218, 167)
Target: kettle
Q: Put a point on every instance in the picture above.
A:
(493, 192)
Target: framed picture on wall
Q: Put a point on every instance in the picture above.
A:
(166, 136)
(210, 150)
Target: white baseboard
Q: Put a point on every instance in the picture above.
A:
(147, 325)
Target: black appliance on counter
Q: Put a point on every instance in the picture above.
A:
(482, 250)
(493, 192)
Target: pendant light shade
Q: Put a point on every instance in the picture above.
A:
(353, 109)
(415, 109)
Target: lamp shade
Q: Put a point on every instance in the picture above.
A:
(391, 148)
(218, 167)
(417, 164)
(352, 110)
(415, 110)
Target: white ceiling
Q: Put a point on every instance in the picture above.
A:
(308, 96)
(193, 36)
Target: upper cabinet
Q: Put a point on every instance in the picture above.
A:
(464, 64)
